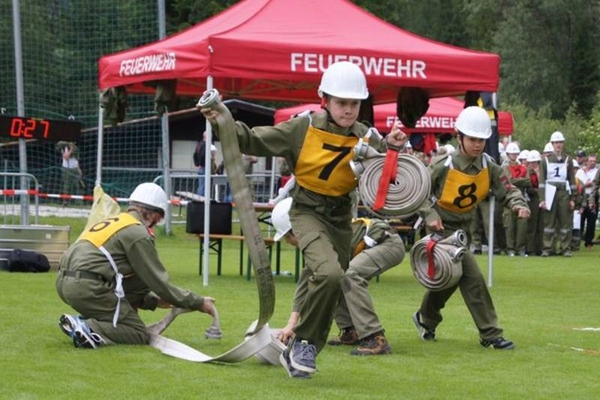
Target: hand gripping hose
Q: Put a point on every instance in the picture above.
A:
(409, 188)
(232, 157)
(260, 340)
(437, 262)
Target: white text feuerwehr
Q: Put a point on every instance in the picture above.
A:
(372, 66)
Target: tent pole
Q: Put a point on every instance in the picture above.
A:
(207, 184)
(492, 201)
(166, 162)
(273, 173)
(100, 144)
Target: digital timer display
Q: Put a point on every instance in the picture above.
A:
(38, 128)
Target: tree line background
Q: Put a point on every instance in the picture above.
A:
(550, 52)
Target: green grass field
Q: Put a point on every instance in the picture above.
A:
(540, 301)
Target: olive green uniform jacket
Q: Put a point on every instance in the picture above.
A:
(472, 284)
(321, 223)
(145, 280)
(558, 221)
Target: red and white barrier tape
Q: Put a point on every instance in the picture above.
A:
(19, 192)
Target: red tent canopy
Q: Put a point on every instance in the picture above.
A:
(278, 49)
(440, 116)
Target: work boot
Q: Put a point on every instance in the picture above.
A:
(373, 345)
(347, 336)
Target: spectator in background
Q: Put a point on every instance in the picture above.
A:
(576, 213)
(589, 205)
(535, 223)
(556, 169)
(548, 149)
(516, 228)
(580, 157)
(200, 162)
(71, 174)
(522, 158)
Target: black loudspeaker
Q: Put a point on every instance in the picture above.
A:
(220, 218)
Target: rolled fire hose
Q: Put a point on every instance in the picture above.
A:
(406, 193)
(437, 262)
(259, 339)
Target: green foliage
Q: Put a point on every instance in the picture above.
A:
(533, 128)
(549, 48)
(540, 302)
(590, 134)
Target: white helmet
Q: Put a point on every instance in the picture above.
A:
(548, 148)
(523, 155)
(150, 194)
(280, 218)
(534, 156)
(344, 80)
(557, 137)
(474, 121)
(512, 148)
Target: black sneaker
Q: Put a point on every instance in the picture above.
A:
(303, 355)
(498, 344)
(424, 332)
(284, 359)
(373, 345)
(347, 336)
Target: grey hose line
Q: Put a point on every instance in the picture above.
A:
(405, 195)
(448, 254)
(242, 195)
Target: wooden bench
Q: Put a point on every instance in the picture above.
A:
(401, 226)
(216, 244)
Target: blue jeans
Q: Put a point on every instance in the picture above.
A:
(200, 189)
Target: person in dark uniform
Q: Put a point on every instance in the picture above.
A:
(318, 149)
(459, 182)
(113, 270)
(516, 228)
(535, 223)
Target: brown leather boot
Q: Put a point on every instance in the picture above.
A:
(373, 345)
(348, 337)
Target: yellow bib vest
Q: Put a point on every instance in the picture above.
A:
(462, 192)
(102, 231)
(323, 164)
(98, 235)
